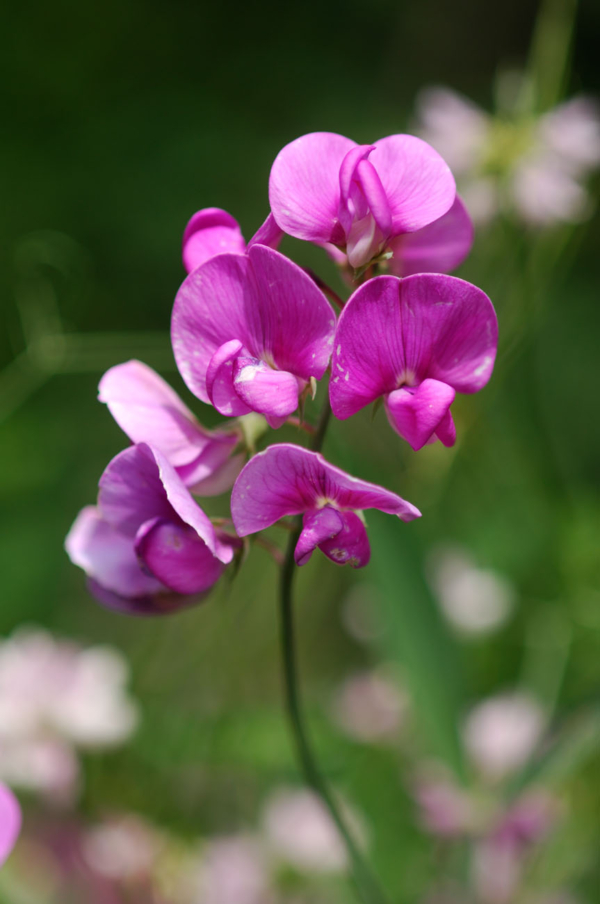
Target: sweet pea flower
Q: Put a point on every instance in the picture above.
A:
(250, 332)
(325, 188)
(414, 342)
(147, 547)
(289, 480)
(149, 411)
(213, 231)
(10, 822)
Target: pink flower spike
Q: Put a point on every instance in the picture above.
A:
(148, 410)
(210, 232)
(414, 342)
(10, 821)
(288, 480)
(438, 248)
(257, 306)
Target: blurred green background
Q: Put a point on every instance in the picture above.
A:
(119, 120)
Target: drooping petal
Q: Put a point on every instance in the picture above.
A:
(318, 526)
(165, 602)
(351, 545)
(438, 248)
(273, 393)
(219, 380)
(263, 301)
(304, 190)
(210, 232)
(416, 413)
(268, 234)
(396, 332)
(10, 821)
(213, 472)
(288, 480)
(107, 556)
(175, 554)
(139, 484)
(418, 183)
(149, 411)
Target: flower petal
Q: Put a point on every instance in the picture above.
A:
(418, 183)
(213, 472)
(351, 545)
(107, 556)
(175, 554)
(163, 603)
(268, 234)
(273, 393)
(210, 232)
(438, 248)
(10, 821)
(304, 190)
(317, 527)
(416, 413)
(219, 380)
(288, 480)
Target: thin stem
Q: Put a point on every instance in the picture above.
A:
(301, 425)
(366, 884)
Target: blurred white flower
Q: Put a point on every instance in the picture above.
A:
(122, 848)
(474, 600)
(230, 870)
(55, 697)
(300, 831)
(369, 707)
(533, 167)
(502, 733)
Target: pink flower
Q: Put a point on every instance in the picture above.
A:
(147, 547)
(250, 332)
(445, 809)
(149, 411)
(289, 480)
(502, 733)
(414, 342)
(325, 188)
(213, 231)
(369, 707)
(10, 822)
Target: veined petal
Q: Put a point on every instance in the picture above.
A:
(149, 411)
(438, 248)
(219, 380)
(287, 480)
(351, 545)
(304, 190)
(175, 554)
(273, 393)
(318, 526)
(416, 413)
(210, 232)
(107, 556)
(268, 234)
(418, 183)
(10, 821)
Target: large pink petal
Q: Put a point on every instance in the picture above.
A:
(287, 480)
(304, 190)
(177, 556)
(107, 556)
(210, 232)
(415, 414)
(418, 183)
(438, 248)
(396, 332)
(317, 527)
(10, 821)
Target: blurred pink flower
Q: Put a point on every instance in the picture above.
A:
(369, 707)
(122, 848)
(230, 870)
(502, 733)
(10, 822)
(444, 809)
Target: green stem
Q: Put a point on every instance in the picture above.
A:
(366, 884)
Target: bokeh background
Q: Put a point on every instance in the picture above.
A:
(120, 120)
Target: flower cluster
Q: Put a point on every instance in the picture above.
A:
(253, 334)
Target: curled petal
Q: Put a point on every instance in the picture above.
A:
(10, 821)
(396, 332)
(351, 545)
(288, 480)
(418, 183)
(304, 190)
(317, 527)
(416, 413)
(219, 380)
(438, 248)
(175, 554)
(210, 232)
(273, 393)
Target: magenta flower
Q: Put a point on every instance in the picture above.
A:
(147, 547)
(289, 480)
(213, 231)
(325, 188)
(149, 411)
(10, 821)
(250, 331)
(414, 342)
